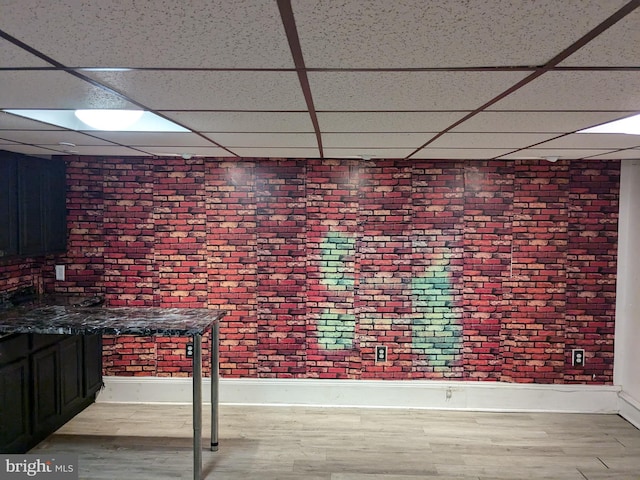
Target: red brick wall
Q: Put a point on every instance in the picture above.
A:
(466, 270)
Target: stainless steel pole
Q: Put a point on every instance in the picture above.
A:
(215, 362)
(197, 406)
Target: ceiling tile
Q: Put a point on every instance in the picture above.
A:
(211, 151)
(14, 56)
(374, 140)
(630, 154)
(540, 122)
(344, 91)
(181, 90)
(15, 122)
(460, 153)
(415, 33)
(244, 121)
(571, 90)
(53, 89)
(594, 140)
(367, 152)
(105, 150)
(489, 140)
(561, 153)
(29, 150)
(297, 140)
(51, 137)
(278, 152)
(336, 122)
(616, 47)
(152, 33)
(155, 138)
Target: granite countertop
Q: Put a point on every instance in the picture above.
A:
(74, 319)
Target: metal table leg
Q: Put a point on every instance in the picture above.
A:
(197, 407)
(215, 360)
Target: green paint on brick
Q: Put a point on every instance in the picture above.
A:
(336, 334)
(335, 248)
(436, 326)
(437, 330)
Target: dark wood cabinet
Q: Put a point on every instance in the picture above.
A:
(45, 380)
(92, 364)
(32, 205)
(8, 207)
(41, 206)
(14, 406)
(71, 373)
(46, 384)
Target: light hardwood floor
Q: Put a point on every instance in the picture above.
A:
(136, 442)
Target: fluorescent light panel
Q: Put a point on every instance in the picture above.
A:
(629, 125)
(148, 122)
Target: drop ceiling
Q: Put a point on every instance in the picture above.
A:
(446, 79)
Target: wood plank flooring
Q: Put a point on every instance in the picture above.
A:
(142, 442)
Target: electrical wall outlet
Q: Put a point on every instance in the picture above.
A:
(577, 357)
(60, 273)
(381, 353)
(189, 350)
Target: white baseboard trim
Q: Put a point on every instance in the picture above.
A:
(629, 408)
(441, 395)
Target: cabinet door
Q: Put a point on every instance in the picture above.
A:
(8, 205)
(42, 210)
(14, 406)
(46, 381)
(55, 207)
(92, 364)
(31, 215)
(71, 373)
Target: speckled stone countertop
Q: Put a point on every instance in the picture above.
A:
(143, 321)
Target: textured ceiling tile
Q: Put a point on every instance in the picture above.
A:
(154, 138)
(407, 90)
(179, 90)
(460, 153)
(631, 154)
(367, 152)
(550, 122)
(106, 150)
(335, 122)
(594, 140)
(14, 122)
(244, 121)
(616, 47)
(291, 140)
(163, 151)
(374, 140)
(560, 153)
(152, 33)
(418, 33)
(57, 90)
(489, 140)
(595, 90)
(30, 150)
(52, 137)
(277, 152)
(12, 56)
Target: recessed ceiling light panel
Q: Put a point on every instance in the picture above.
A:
(629, 125)
(111, 120)
(102, 120)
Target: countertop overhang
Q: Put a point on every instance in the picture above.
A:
(140, 321)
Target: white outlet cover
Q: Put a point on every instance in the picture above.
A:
(60, 272)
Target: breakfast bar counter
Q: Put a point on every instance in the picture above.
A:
(142, 321)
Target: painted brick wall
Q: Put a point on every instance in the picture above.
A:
(466, 270)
